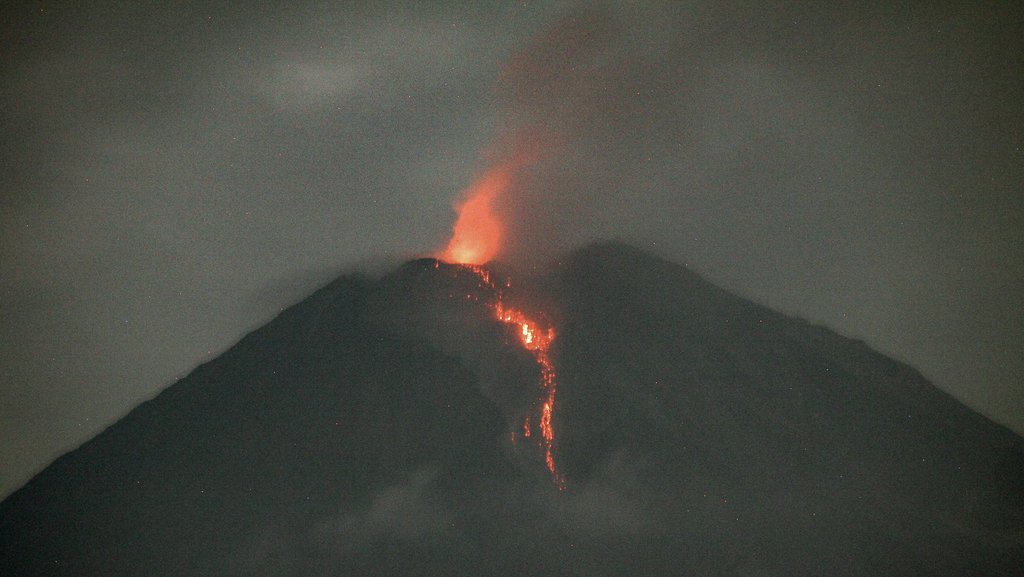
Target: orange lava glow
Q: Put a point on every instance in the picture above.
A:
(537, 341)
(477, 234)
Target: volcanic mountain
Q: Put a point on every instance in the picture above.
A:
(379, 427)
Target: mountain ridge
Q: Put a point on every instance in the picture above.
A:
(369, 429)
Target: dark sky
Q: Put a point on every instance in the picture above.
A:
(174, 174)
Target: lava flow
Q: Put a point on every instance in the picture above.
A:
(537, 342)
(476, 239)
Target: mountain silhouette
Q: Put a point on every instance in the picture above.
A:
(374, 429)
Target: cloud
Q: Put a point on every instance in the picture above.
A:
(403, 512)
(606, 506)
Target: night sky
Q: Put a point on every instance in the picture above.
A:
(174, 174)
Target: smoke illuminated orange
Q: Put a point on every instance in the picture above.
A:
(477, 235)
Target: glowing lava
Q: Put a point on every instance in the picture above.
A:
(537, 342)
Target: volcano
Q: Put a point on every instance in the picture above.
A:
(379, 427)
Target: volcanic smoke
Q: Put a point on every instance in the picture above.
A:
(477, 234)
(476, 240)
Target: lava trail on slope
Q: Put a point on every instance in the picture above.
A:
(537, 341)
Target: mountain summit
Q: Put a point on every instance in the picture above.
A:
(381, 427)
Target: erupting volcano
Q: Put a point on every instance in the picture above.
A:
(476, 239)
(365, 431)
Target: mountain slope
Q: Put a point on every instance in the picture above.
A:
(369, 430)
